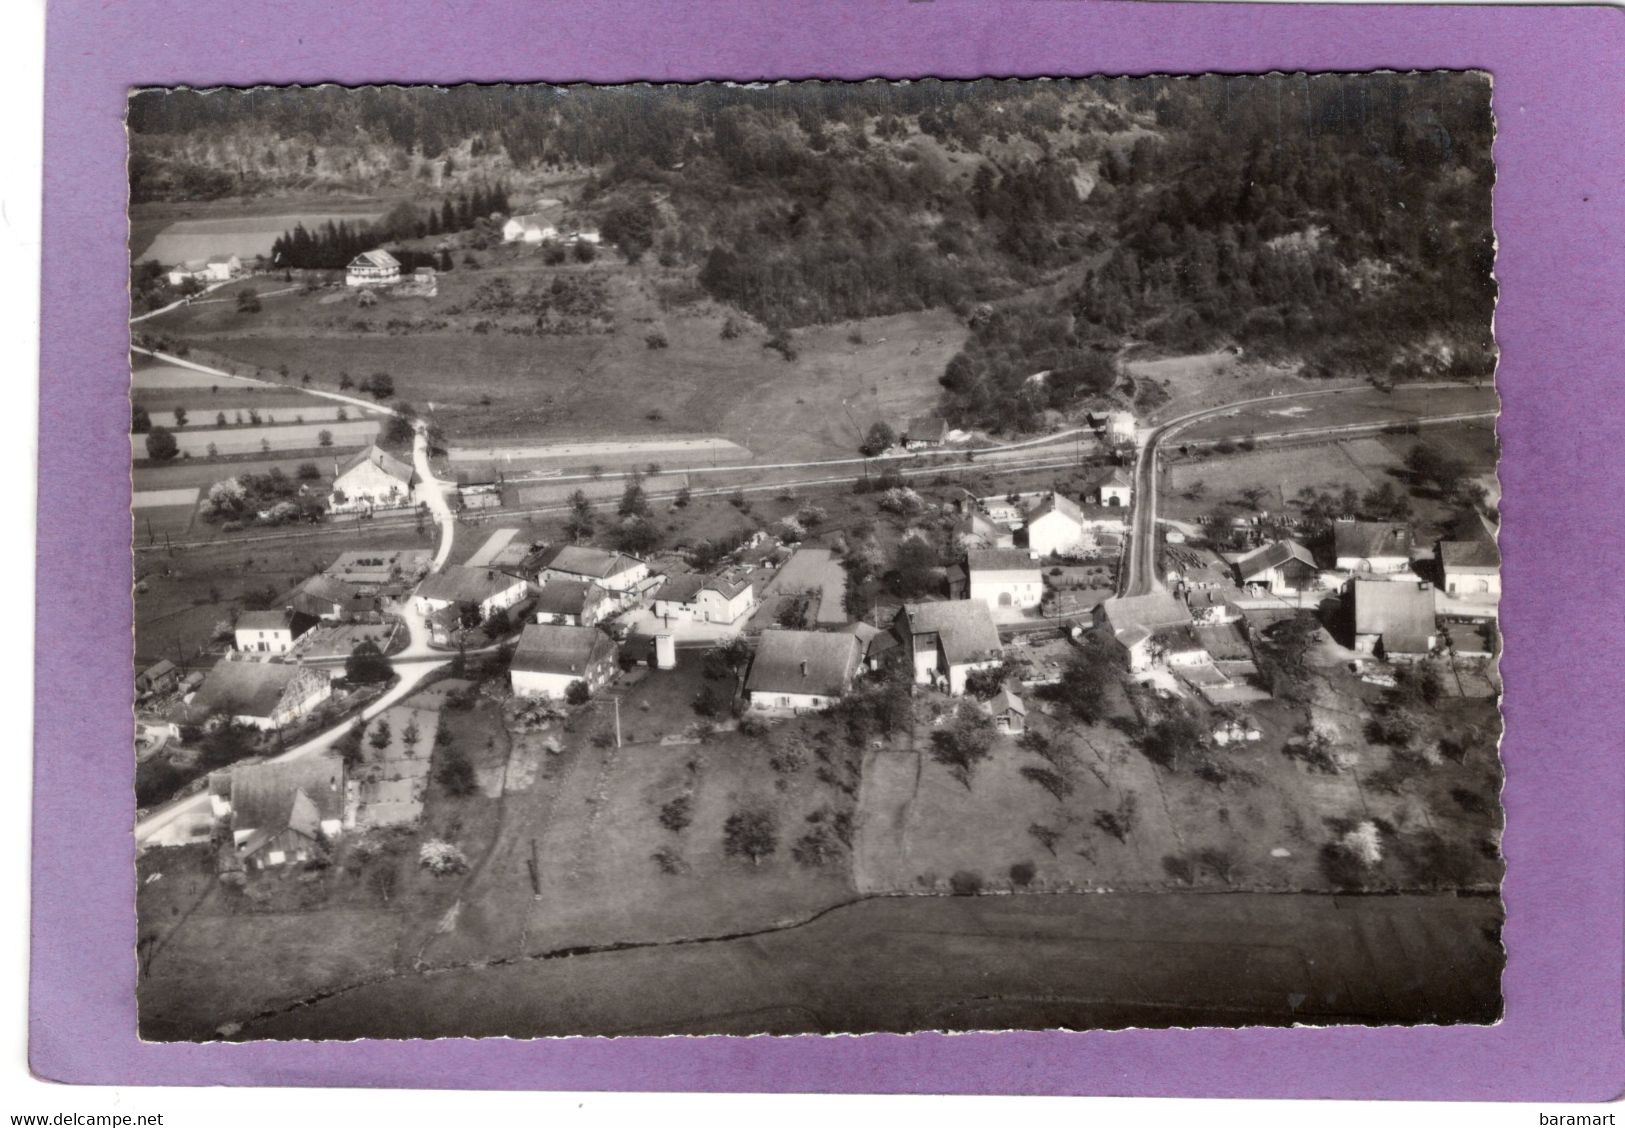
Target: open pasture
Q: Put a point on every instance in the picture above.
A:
(1362, 464)
(1355, 408)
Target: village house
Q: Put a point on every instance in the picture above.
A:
(1150, 629)
(1393, 619)
(724, 598)
(1114, 489)
(620, 575)
(799, 670)
(387, 786)
(333, 601)
(532, 228)
(947, 642)
(1007, 577)
(1009, 713)
(192, 270)
(373, 268)
(571, 603)
(269, 632)
(549, 659)
(1280, 568)
(1055, 525)
(282, 812)
(263, 695)
(977, 530)
(480, 591)
(1371, 546)
(160, 677)
(1470, 561)
(371, 480)
(925, 432)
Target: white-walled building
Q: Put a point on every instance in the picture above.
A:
(1055, 525)
(485, 589)
(263, 695)
(549, 659)
(1470, 561)
(799, 670)
(372, 479)
(282, 812)
(268, 632)
(620, 575)
(373, 268)
(1116, 488)
(532, 228)
(1372, 546)
(1007, 577)
(726, 598)
(947, 642)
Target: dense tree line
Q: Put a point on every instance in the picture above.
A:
(332, 245)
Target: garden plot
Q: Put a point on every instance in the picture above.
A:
(246, 440)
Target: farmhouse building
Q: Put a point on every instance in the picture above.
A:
(725, 598)
(1055, 525)
(1120, 427)
(281, 812)
(269, 632)
(373, 268)
(532, 228)
(264, 695)
(1285, 566)
(617, 574)
(483, 591)
(1116, 488)
(160, 677)
(549, 659)
(1470, 561)
(571, 603)
(333, 601)
(796, 670)
(1371, 546)
(978, 530)
(1009, 713)
(925, 432)
(946, 642)
(1148, 629)
(1393, 619)
(192, 270)
(372, 479)
(1007, 577)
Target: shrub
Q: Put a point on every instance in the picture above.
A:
(676, 814)
(1022, 874)
(965, 883)
(577, 693)
(441, 858)
(656, 340)
(308, 472)
(161, 445)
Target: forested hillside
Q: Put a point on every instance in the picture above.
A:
(1338, 220)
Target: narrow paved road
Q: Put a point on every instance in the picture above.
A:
(174, 822)
(1140, 577)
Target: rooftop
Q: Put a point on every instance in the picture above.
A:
(546, 649)
(595, 563)
(1366, 539)
(385, 461)
(1000, 560)
(566, 597)
(462, 584)
(1399, 611)
(283, 794)
(1273, 556)
(1138, 616)
(809, 662)
(964, 626)
(278, 620)
(244, 689)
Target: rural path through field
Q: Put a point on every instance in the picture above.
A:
(431, 491)
(1139, 578)
(337, 397)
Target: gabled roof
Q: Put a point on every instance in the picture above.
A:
(1273, 556)
(594, 563)
(283, 794)
(1367, 539)
(1007, 702)
(681, 588)
(462, 584)
(1057, 503)
(379, 258)
(810, 662)
(1400, 612)
(221, 260)
(567, 651)
(927, 428)
(324, 589)
(1116, 476)
(1001, 560)
(567, 597)
(245, 689)
(1134, 618)
(159, 669)
(964, 626)
(278, 620)
(1471, 545)
(538, 220)
(385, 461)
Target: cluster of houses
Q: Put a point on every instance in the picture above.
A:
(540, 227)
(1048, 523)
(206, 271)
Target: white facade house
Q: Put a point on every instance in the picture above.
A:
(283, 812)
(1382, 547)
(1055, 525)
(1004, 578)
(798, 671)
(371, 480)
(1120, 428)
(1115, 489)
(947, 642)
(705, 599)
(620, 575)
(487, 590)
(533, 228)
(263, 695)
(267, 632)
(549, 659)
(1152, 629)
(373, 268)
(1470, 561)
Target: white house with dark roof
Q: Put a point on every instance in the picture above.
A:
(1283, 567)
(373, 479)
(263, 695)
(623, 577)
(1393, 619)
(486, 590)
(571, 603)
(282, 812)
(1114, 488)
(725, 598)
(549, 659)
(802, 670)
(373, 268)
(1372, 546)
(925, 432)
(1470, 560)
(536, 227)
(1055, 525)
(1151, 629)
(269, 632)
(947, 642)
(1005, 577)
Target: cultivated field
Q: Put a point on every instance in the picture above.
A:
(195, 442)
(1371, 406)
(496, 384)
